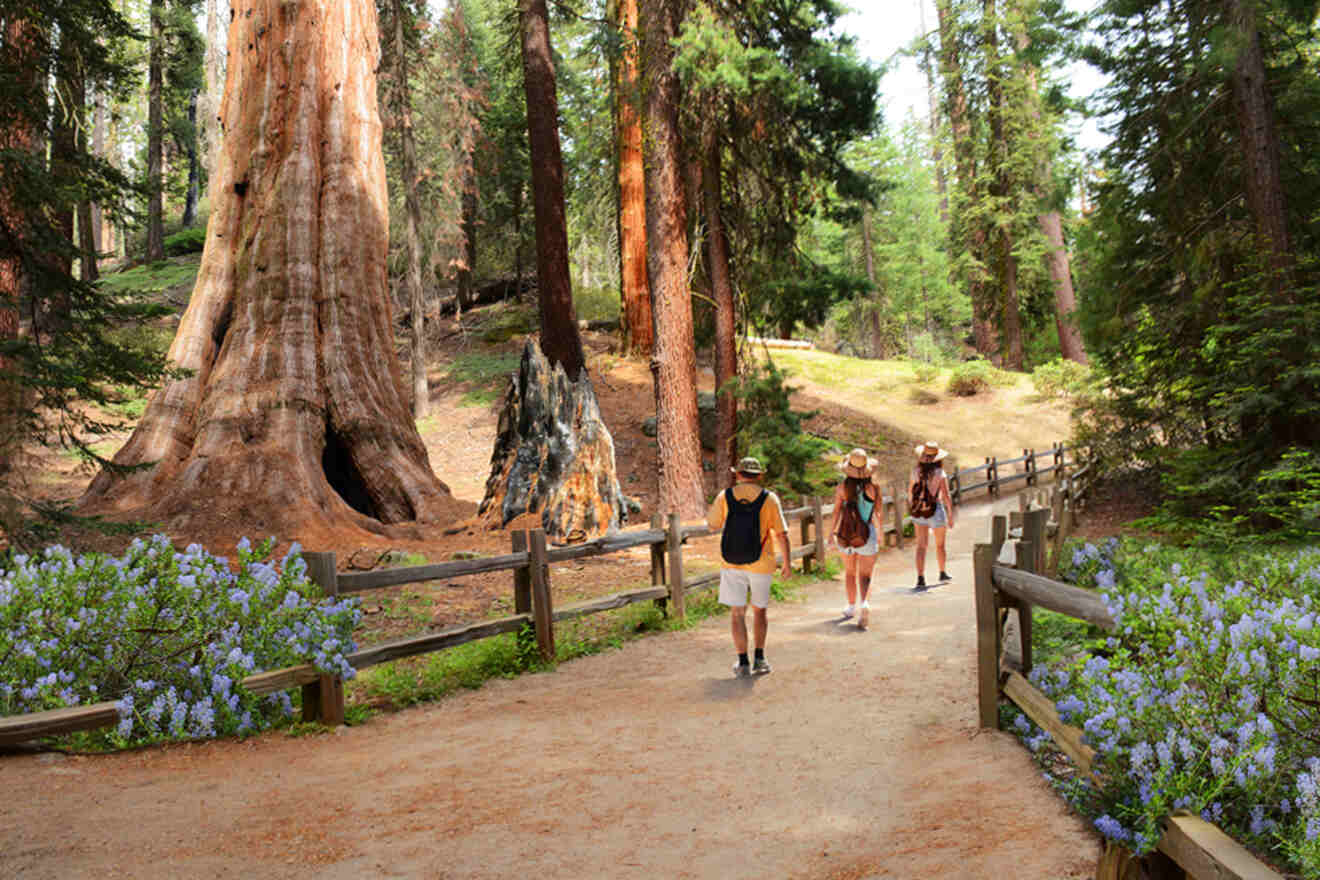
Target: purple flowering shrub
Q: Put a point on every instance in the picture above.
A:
(1206, 698)
(169, 635)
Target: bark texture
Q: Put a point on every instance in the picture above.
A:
(721, 287)
(1065, 298)
(208, 103)
(637, 320)
(294, 414)
(156, 135)
(673, 364)
(421, 396)
(553, 456)
(560, 339)
(1254, 106)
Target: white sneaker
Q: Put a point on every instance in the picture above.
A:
(849, 611)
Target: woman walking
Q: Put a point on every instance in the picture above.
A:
(853, 530)
(930, 507)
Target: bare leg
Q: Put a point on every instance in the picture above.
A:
(738, 626)
(850, 577)
(760, 623)
(864, 566)
(939, 548)
(923, 535)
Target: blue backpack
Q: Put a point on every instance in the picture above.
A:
(741, 542)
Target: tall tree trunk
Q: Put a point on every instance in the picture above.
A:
(868, 254)
(213, 65)
(721, 286)
(971, 233)
(155, 135)
(559, 331)
(638, 323)
(932, 97)
(293, 415)
(421, 394)
(97, 219)
(20, 38)
(1010, 317)
(465, 293)
(194, 169)
(1260, 141)
(1051, 227)
(673, 363)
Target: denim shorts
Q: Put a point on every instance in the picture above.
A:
(939, 521)
(870, 548)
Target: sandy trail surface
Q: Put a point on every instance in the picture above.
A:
(858, 757)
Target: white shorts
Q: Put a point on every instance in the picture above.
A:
(734, 584)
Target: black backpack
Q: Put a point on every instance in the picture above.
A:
(922, 504)
(741, 542)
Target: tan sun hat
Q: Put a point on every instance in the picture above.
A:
(748, 465)
(858, 464)
(930, 451)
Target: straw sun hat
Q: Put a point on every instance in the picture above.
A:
(930, 451)
(858, 464)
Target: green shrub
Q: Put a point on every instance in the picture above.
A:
(596, 303)
(187, 241)
(969, 378)
(1061, 378)
(925, 372)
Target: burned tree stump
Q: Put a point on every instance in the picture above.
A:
(553, 456)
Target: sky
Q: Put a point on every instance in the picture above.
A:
(885, 27)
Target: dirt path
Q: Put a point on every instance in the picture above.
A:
(857, 757)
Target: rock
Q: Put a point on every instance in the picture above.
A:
(553, 456)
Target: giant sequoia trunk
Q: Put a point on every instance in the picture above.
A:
(673, 364)
(637, 323)
(293, 415)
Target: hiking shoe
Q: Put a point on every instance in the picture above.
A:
(864, 619)
(760, 667)
(921, 583)
(744, 670)
(849, 611)
(944, 576)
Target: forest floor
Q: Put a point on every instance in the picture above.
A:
(858, 757)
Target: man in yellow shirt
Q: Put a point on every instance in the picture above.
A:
(750, 516)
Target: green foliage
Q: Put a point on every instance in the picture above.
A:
(596, 303)
(925, 373)
(186, 241)
(168, 635)
(1062, 378)
(770, 429)
(969, 378)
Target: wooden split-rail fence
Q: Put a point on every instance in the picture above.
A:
(1029, 470)
(1190, 847)
(534, 611)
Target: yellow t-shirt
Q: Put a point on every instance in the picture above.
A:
(772, 523)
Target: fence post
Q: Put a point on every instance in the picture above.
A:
(987, 637)
(804, 529)
(818, 514)
(898, 513)
(674, 539)
(955, 488)
(323, 699)
(522, 588)
(1033, 529)
(658, 562)
(1062, 526)
(1030, 456)
(542, 607)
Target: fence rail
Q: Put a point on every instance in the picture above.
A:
(529, 561)
(1030, 474)
(1198, 849)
